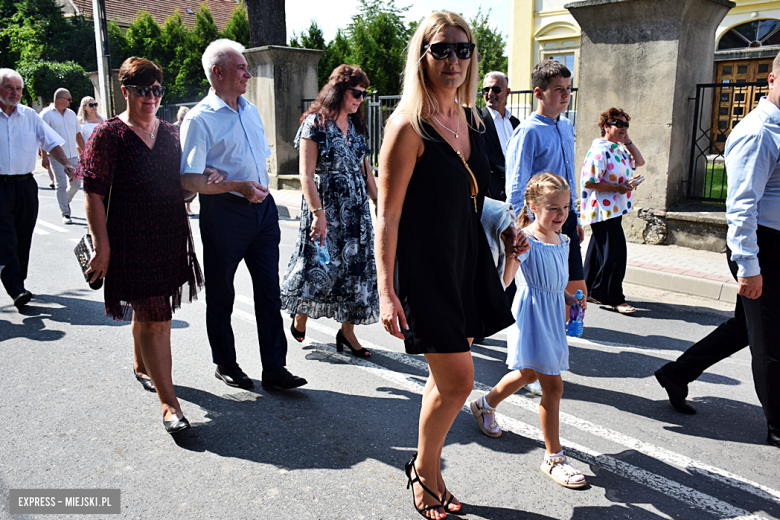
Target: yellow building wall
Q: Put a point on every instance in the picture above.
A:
(541, 29)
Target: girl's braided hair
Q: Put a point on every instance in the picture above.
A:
(540, 186)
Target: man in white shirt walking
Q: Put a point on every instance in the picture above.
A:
(65, 122)
(22, 132)
(238, 217)
(499, 126)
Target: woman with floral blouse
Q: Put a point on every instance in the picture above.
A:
(607, 195)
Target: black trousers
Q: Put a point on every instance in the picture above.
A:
(569, 229)
(18, 213)
(605, 262)
(231, 233)
(755, 324)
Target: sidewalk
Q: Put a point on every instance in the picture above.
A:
(669, 268)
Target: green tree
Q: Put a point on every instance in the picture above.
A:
(237, 28)
(336, 53)
(42, 78)
(144, 39)
(490, 43)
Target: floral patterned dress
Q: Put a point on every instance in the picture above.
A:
(345, 289)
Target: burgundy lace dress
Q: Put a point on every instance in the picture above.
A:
(152, 254)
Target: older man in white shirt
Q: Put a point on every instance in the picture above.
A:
(22, 132)
(238, 217)
(65, 122)
(499, 126)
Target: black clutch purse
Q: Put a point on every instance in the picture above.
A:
(84, 252)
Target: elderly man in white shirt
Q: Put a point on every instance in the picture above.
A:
(22, 132)
(499, 126)
(238, 217)
(65, 122)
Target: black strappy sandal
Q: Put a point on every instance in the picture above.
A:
(408, 468)
(446, 503)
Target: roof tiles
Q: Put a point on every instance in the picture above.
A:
(124, 11)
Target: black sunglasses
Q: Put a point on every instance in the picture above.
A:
(156, 90)
(618, 123)
(92, 105)
(495, 88)
(442, 50)
(359, 94)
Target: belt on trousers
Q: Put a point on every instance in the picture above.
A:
(238, 200)
(15, 178)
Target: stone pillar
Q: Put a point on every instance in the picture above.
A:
(646, 57)
(120, 105)
(282, 76)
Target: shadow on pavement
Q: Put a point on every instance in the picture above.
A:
(717, 418)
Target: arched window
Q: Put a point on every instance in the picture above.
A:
(756, 33)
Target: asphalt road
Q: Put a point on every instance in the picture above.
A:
(72, 415)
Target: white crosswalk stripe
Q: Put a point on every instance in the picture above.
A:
(39, 231)
(687, 495)
(52, 226)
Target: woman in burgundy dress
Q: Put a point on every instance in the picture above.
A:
(143, 245)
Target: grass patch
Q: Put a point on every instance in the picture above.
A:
(715, 182)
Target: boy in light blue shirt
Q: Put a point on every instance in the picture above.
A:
(545, 143)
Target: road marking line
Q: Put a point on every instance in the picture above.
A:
(656, 452)
(243, 299)
(651, 450)
(40, 231)
(52, 226)
(75, 240)
(666, 354)
(684, 494)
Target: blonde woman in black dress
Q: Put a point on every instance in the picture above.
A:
(433, 176)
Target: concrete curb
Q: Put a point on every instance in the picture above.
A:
(726, 292)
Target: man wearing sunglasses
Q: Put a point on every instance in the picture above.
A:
(499, 126)
(238, 217)
(65, 122)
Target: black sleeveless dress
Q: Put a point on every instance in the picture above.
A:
(444, 276)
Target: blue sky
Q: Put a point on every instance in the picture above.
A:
(330, 18)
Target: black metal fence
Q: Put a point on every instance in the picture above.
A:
(378, 109)
(719, 107)
(169, 110)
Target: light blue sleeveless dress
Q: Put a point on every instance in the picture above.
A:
(537, 340)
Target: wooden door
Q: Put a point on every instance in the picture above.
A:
(731, 104)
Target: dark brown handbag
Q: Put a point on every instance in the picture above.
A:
(84, 251)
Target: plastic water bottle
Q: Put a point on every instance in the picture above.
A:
(322, 252)
(576, 315)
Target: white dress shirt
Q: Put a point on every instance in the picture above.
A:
(503, 127)
(21, 134)
(214, 135)
(66, 124)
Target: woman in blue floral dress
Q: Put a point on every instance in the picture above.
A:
(337, 183)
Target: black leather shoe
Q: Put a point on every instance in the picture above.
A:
(282, 378)
(233, 376)
(773, 438)
(22, 299)
(146, 383)
(676, 393)
(176, 425)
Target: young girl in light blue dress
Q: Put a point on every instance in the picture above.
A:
(536, 344)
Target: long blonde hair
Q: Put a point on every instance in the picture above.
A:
(417, 102)
(82, 115)
(540, 186)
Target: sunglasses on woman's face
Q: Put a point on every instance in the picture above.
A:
(495, 89)
(442, 50)
(359, 94)
(92, 105)
(618, 123)
(156, 90)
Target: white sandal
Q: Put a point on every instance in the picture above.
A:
(559, 469)
(478, 410)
